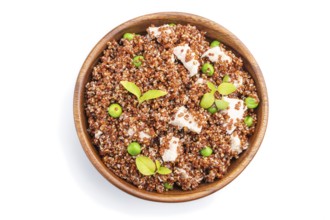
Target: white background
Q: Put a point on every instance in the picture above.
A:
(44, 173)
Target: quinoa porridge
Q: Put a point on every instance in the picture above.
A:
(168, 108)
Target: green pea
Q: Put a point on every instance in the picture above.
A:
(214, 43)
(206, 151)
(115, 110)
(248, 120)
(226, 79)
(251, 102)
(212, 109)
(128, 36)
(208, 69)
(168, 186)
(134, 148)
(172, 25)
(207, 100)
(137, 61)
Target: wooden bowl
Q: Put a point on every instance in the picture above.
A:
(214, 31)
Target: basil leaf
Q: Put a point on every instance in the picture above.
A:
(132, 88)
(226, 79)
(164, 170)
(221, 104)
(145, 165)
(157, 164)
(212, 87)
(207, 100)
(152, 94)
(226, 88)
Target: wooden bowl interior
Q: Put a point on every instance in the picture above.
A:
(214, 31)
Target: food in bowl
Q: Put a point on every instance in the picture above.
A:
(169, 108)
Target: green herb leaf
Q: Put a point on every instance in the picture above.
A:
(151, 94)
(207, 100)
(226, 78)
(221, 104)
(145, 165)
(132, 88)
(157, 164)
(226, 88)
(164, 170)
(212, 87)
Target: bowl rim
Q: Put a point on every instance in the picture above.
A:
(89, 149)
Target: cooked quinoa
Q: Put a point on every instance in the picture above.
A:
(174, 128)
